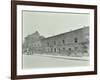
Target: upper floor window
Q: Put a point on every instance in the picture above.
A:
(54, 42)
(76, 40)
(63, 41)
(47, 44)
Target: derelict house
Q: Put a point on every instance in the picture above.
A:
(73, 43)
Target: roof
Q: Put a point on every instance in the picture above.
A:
(66, 32)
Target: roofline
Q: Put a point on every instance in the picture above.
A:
(65, 33)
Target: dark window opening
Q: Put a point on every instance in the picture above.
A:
(63, 41)
(47, 44)
(54, 49)
(76, 40)
(69, 49)
(63, 48)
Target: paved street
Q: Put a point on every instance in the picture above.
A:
(40, 61)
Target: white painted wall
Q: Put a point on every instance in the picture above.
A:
(5, 40)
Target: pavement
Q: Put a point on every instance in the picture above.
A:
(83, 58)
(51, 61)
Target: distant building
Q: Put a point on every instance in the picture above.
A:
(32, 43)
(73, 43)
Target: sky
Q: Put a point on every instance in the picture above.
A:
(52, 23)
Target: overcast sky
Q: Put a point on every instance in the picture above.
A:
(52, 23)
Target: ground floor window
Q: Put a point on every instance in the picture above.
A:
(54, 49)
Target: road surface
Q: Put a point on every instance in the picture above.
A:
(40, 61)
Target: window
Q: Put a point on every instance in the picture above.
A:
(75, 40)
(54, 42)
(63, 48)
(47, 44)
(63, 41)
(69, 49)
(54, 49)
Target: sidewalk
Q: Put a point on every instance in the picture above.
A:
(84, 58)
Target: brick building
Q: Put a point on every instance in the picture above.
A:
(73, 43)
